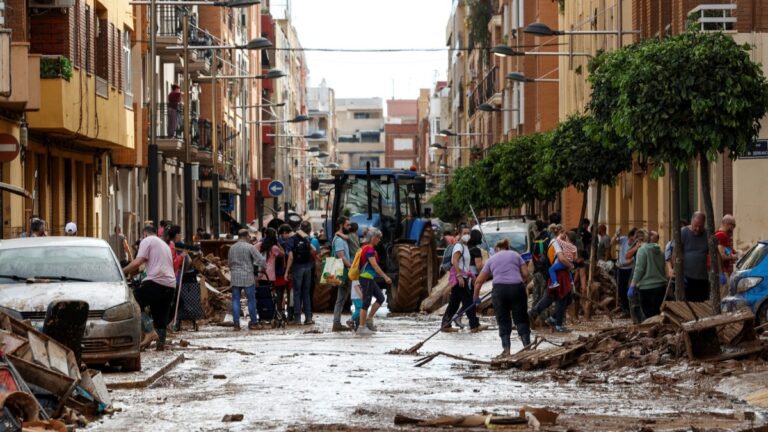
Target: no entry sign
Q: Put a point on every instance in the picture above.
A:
(9, 147)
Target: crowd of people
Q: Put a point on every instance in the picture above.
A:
(644, 272)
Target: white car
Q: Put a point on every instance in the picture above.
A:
(37, 271)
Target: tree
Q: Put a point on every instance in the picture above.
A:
(575, 158)
(514, 170)
(687, 97)
(445, 207)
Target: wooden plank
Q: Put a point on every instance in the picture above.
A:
(39, 350)
(719, 320)
(150, 380)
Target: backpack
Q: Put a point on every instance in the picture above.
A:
(354, 269)
(539, 255)
(448, 258)
(302, 250)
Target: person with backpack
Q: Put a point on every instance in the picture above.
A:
(282, 285)
(560, 294)
(340, 250)
(461, 291)
(299, 270)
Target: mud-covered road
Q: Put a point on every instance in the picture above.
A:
(307, 378)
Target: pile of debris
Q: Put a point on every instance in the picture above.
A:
(530, 418)
(683, 329)
(41, 380)
(214, 279)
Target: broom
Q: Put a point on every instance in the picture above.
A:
(414, 349)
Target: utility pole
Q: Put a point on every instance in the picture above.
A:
(188, 198)
(216, 209)
(153, 168)
(246, 153)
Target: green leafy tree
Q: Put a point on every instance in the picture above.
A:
(687, 97)
(445, 207)
(514, 169)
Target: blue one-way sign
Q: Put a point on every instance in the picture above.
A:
(275, 188)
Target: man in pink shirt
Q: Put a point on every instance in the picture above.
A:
(157, 288)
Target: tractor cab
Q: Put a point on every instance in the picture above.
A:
(390, 200)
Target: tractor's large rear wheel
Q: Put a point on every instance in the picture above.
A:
(417, 274)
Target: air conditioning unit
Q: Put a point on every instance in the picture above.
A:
(51, 4)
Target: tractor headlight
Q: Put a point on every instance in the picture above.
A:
(747, 283)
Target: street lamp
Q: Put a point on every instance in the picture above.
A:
(229, 4)
(449, 133)
(313, 135)
(298, 119)
(519, 77)
(485, 107)
(541, 29)
(270, 105)
(442, 147)
(505, 51)
(271, 74)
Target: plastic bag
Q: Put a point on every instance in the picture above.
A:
(333, 271)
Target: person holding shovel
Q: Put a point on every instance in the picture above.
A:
(509, 273)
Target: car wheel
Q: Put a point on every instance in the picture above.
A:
(131, 365)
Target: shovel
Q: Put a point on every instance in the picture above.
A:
(414, 349)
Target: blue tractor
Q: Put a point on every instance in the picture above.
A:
(390, 200)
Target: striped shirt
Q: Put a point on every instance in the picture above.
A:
(242, 257)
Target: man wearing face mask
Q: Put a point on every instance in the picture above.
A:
(461, 292)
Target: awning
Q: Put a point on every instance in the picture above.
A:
(5, 187)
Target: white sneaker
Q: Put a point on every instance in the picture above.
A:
(363, 331)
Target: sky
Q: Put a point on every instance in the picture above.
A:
(373, 24)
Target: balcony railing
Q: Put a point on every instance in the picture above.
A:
(484, 90)
(170, 122)
(201, 134)
(169, 20)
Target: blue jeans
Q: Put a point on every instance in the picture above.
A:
(553, 269)
(250, 293)
(302, 278)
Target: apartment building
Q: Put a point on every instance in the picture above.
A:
(401, 132)
(19, 94)
(88, 115)
(361, 132)
(639, 200)
(487, 106)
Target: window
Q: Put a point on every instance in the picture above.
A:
(402, 163)
(403, 144)
(127, 81)
(95, 264)
(373, 160)
(102, 44)
(713, 17)
(362, 115)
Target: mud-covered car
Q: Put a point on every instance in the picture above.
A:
(519, 232)
(37, 271)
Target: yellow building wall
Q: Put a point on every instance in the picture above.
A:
(13, 217)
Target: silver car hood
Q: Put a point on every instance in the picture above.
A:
(36, 297)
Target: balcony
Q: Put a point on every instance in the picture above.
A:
(170, 130)
(485, 91)
(169, 31)
(102, 122)
(201, 141)
(19, 77)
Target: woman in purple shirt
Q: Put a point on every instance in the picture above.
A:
(509, 273)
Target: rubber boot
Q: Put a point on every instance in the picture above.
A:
(161, 339)
(526, 339)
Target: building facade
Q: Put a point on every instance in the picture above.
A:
(361, 132)
(401, 132)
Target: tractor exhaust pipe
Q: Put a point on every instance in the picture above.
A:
(369, 191)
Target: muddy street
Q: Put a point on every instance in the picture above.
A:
(307, 378)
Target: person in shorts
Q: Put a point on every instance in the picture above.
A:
(369, 269)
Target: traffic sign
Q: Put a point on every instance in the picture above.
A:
(9, 147)
(275, 188)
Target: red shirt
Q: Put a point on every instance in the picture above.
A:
(727, 242)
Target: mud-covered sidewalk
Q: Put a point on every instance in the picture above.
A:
(307, 378)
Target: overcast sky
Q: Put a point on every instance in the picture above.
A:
(377, 24)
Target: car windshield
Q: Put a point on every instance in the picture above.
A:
(753, 257)
(518, 241)
(93, 264)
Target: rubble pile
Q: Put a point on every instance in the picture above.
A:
(684, 330)
(214, 279)
(41, 380)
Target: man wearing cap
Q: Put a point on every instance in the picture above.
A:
(243, 257)
(70, 229)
